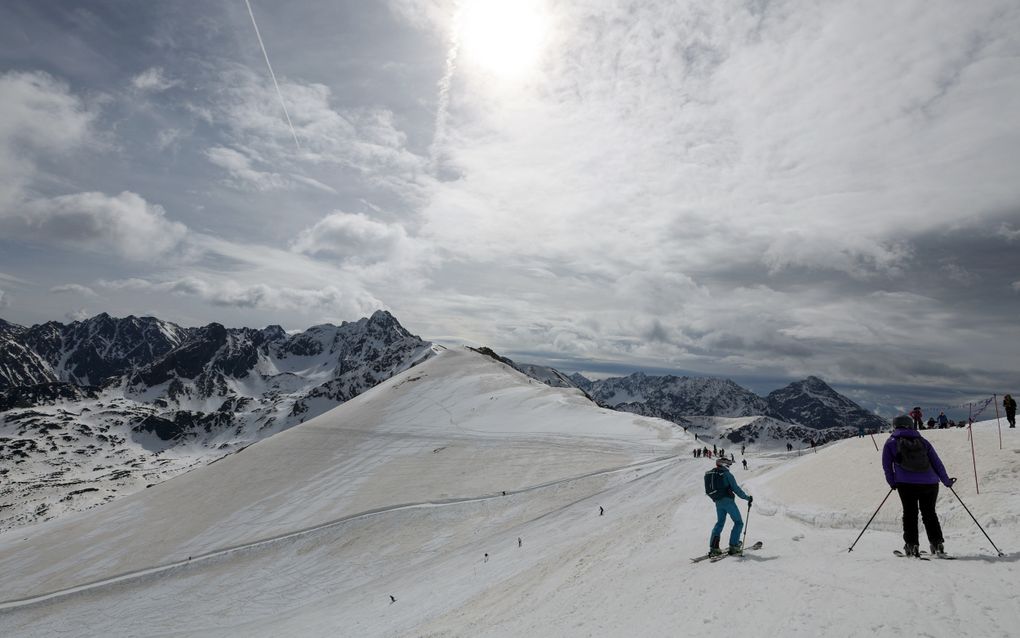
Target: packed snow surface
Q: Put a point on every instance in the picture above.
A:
(487, 504)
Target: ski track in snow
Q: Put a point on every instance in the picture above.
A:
(465, 429)
(195, 560)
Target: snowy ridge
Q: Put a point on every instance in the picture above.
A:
(461, 498)
(810, 403)
(168, 408)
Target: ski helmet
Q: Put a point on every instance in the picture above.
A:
(725, 462)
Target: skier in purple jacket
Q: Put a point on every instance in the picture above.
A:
(914, 470)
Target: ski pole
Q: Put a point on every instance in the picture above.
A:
(975, 521)
(746, 524)
(871, 519)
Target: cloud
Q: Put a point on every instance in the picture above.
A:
(1015, 286)
(1009, 233)
(39, 118)
(152, 80)
(81, 314)
(352, 237)
(12, 279)
(168, 138)
(4, 299)
(239, 166)
(125, 224)
(364, 141)
(342, 299)
(77, 289)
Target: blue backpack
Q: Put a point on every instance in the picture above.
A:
(716, 486)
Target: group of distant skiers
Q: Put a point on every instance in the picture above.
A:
(942, 421)
(706, 453)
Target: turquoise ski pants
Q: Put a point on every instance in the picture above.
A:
(722, 508)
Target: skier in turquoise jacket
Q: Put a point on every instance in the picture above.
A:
(721, 487)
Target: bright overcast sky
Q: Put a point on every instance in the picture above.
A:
(765, 189)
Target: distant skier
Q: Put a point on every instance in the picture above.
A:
(789, 447)
(392, 599)
(721, 488)
(742, 448)
(714, 449)
(916, 415)
(943, 421)
(601, 511)
(931, 423)
(1010, 406)
(860, 431)
(744, 461)
(520, 543)
(914, 469)
(486, 558)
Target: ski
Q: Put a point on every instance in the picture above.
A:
(718, 558)
(902, 555)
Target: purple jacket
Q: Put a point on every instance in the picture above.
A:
(895, 474)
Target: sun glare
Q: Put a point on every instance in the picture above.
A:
(503, 37)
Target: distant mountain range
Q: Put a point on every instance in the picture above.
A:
(807, 410)
(100, 407)
(810, 403)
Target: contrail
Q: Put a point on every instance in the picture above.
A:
(272, 75)
(444, 97)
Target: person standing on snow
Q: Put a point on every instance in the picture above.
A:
(914, 469)
(943, 421)
(1010, 405)
(721, 487)
(918, 418)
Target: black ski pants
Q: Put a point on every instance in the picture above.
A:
(921, 497)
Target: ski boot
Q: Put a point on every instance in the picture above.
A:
(938, 550)
(912, 550)
(713, 549)
(736, 550)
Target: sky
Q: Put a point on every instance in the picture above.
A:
(762, 191)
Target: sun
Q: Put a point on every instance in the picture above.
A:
(501, 37)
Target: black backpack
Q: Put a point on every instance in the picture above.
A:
(912, 454)
(715, 484)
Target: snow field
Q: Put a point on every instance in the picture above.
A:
(399, 492)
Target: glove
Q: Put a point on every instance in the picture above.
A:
(750, 499)
(892, 487)
(951, 483)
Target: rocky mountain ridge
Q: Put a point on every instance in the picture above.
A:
(105, 406)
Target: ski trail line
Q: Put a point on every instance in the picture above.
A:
(139, 573)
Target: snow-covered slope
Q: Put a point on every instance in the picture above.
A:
(487, 504)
